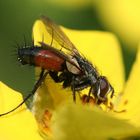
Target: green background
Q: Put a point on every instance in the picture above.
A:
(16, 20)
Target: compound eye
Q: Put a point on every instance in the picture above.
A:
(104, 86)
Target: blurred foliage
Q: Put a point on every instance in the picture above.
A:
(16, 20)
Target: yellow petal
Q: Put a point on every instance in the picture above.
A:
(131, 97)
(100, 48)
(123, 18)
(19, 124)
(79, 122)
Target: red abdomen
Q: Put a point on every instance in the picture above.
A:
(44, 58)
(49, 60)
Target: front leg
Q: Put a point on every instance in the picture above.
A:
(65, 77)
(73, 89)
(89, 93)
(55, 77)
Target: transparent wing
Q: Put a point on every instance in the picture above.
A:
(58, 35)
(66, 57)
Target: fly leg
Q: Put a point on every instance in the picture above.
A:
(42, 77)
(73, 89)
(55, 77)
(68, 80)
(89, 93)
(65, 77)
(112, 91)
(36, 86)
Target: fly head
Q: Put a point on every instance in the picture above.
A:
(104, 88)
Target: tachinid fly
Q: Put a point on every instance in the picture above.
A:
(71, 68)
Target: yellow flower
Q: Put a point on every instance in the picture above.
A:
(57, 116)
(19, 124)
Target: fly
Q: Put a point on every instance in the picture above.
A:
(70, 68)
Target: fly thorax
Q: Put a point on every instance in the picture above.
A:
(92, 78)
